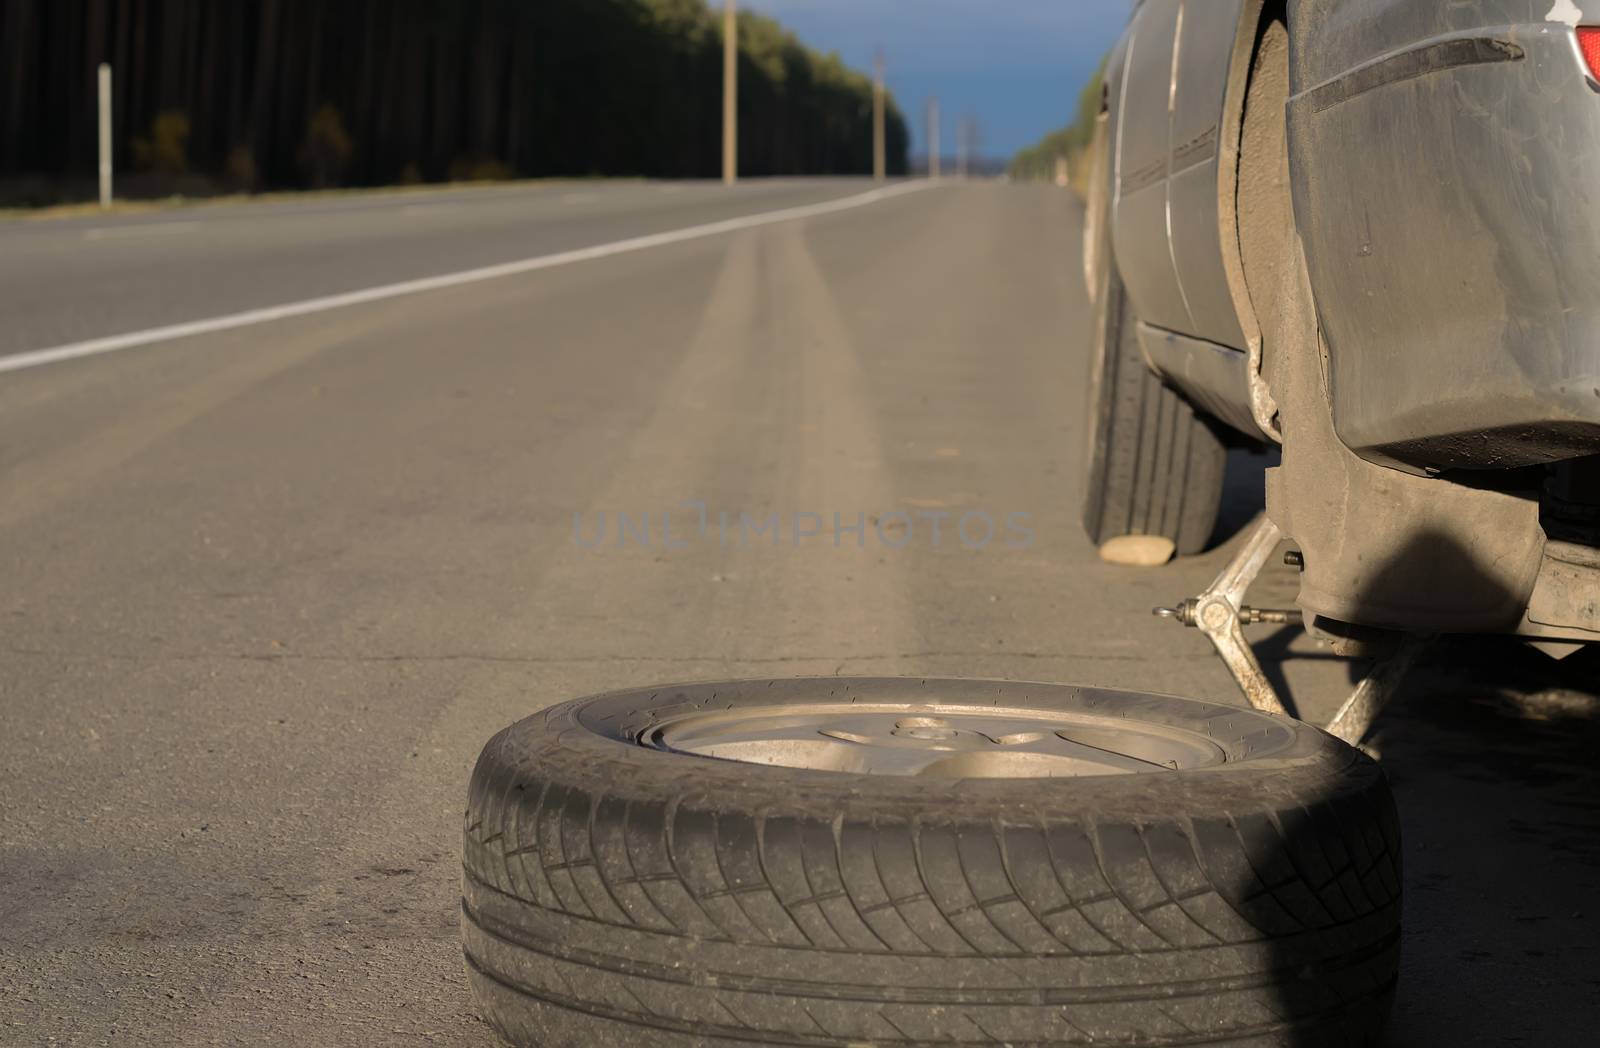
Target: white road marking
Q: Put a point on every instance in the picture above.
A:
(111, 344)
(152, 229)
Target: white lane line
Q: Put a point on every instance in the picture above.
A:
(93, 347)
(110, 344)
(154, 229)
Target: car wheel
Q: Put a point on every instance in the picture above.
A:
(1155, 466)
(848, 861)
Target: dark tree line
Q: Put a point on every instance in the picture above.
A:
(270, 93)
(1038, 161)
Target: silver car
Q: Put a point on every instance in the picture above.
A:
(1369, 231)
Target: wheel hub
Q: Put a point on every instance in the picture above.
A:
(936, 741)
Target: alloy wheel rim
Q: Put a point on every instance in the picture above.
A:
(935, 740)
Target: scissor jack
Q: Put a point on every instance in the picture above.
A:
(1220, 613)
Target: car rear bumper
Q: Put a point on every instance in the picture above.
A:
(1448, 194)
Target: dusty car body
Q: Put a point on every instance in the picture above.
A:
(1369, 230)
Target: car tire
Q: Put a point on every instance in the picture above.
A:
(619, 893)
(1155, 464)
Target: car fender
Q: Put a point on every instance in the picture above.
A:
(1444, 161)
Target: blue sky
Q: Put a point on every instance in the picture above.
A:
(1017, 65)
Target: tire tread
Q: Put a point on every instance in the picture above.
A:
(689, 918)
(1157, 464)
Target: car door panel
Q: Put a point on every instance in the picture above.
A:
(1167, 224)
(1206, 35)
(1140, 231)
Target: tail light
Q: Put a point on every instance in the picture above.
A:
(1589, 44)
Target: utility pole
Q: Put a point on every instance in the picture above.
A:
(730, 93)
(962, 127)
(105, 135)
(879, 156)
(933, 137)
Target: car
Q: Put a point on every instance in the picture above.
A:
(1366, 231)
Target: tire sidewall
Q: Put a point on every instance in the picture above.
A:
(572, 744)
(1107, 310)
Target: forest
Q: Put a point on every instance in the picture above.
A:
(246, 95)
(1038, 161)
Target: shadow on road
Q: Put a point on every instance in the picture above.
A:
(1493, 752)
(1244, 490)
(1494, 755)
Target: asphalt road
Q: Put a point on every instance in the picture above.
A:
(72, 279)
(265, 592)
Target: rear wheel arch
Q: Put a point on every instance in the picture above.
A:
(1254, 161)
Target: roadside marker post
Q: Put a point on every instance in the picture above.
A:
(730, 93)
(879, 157)
(105, 135)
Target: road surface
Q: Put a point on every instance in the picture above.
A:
(266, 590)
